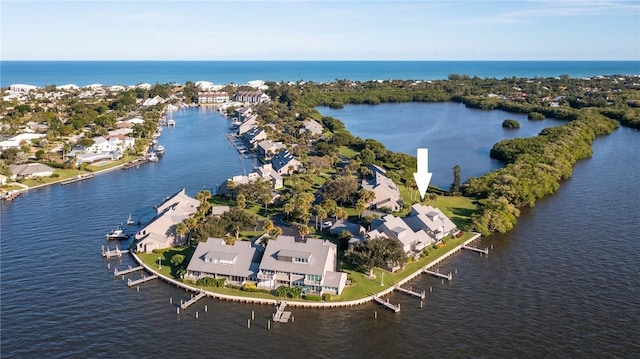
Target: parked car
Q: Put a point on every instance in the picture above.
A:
(327, 224)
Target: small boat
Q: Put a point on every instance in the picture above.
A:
(130, 221)
(117, 233)
(152, 156)
(160, 150)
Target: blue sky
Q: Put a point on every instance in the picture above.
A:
(320, 30)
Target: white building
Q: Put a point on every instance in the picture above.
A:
(22, 88)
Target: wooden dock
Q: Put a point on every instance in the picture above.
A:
(280, 315)
(409, 291)
(485, 251)
(144, 279)
(185, 305)
(395, 308)
(440, 275)
(77, 178)
(108, 252)
(10, 196)
(116, 272)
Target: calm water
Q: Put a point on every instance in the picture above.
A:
(453, 133)
(81, 73)
(564, 283)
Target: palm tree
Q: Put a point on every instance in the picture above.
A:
(303, 230)
(181, 229)
(361, 206)
(276, 231)
(267, 225)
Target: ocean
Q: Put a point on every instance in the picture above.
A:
(82, 73)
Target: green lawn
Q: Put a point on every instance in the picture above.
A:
(347, 151)
(363, 286)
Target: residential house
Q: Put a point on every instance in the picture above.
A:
(160, 232)
(309, 264)
(213, 97)
(22, 88)
(30, 170)
(387, 194)
(253, 136)
(312, 127)
(238, 263)
(3, 180)
(247, 125)
(251, 97)
(265, 172)
(16, 141)
(396, 228)
(267, 148)
(430, 219)
(153, 101)
(217, 211)
(285, 163)
(424, 225)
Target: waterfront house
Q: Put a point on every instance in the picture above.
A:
(252, 97)
(247, 125)
(237, 263)
(153, 101)
(423, 226)
(267, 148)
(160, 233)
(285, 163)
(253, 136)
(213, 97)
(264, 172)
(15, 141)
(309, 264)
(431, 220)
(30, 170)
(387, 194)
(395, 228)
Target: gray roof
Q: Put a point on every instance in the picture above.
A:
(29, 169)
(321, 256)
(241, 254)
(334, 279)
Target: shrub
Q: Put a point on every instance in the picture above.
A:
(211, 282)
(510, 123)
(326, 297)
(288, 292)
(536, 116)
(313, 297)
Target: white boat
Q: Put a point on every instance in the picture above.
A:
(130, 221)
(152, 156)
(117, 233)
(171, 123)
(160, 150)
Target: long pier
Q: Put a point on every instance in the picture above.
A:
(485, 251)
(409, 291)
(395, 308)
(185, 305)
(144, 279)
(108, 252)
(116, 272)
(440, 275)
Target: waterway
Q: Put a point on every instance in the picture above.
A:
(563, 283)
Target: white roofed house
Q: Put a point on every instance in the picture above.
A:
(238, 263)
(431, 220)
(395, 228)
(254, 136)
(153, 101)
(22, 88)
(424, 225)
(160, 232)
(309, 264)
(101, 144)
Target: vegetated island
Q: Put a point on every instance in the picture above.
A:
(323, 156)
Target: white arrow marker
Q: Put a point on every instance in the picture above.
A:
(423, 177)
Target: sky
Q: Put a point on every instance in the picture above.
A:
(320, 30)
